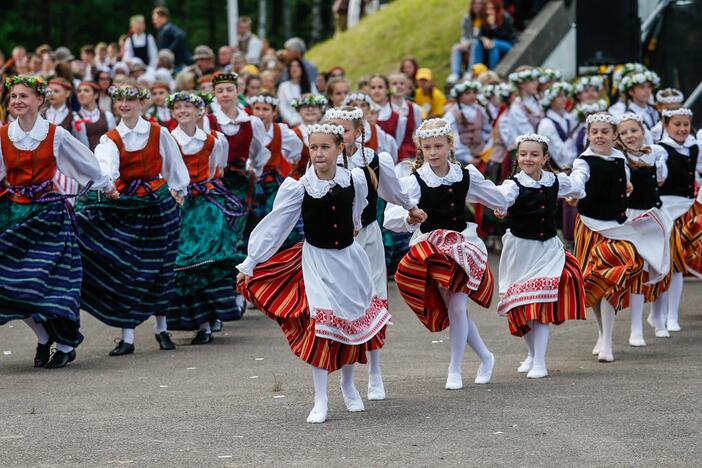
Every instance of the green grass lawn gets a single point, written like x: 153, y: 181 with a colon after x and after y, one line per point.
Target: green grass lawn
x: 425, y: 29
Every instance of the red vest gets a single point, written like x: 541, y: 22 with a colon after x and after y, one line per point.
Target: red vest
x: 198, y: 164
x: 408, y: 149
x: 277, y: 162
x: 142, y: 164
x: 390, y: 126
x: 301, y: 166
x: 239, y: 145
x: 372, y: 143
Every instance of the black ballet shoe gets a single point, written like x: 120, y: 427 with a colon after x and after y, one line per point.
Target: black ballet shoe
x: 164, y: 341
x: 43, y: 354
x: 216, y: 325
x: 60, y: 359
x: 202, y: 337
x: 122, y: 348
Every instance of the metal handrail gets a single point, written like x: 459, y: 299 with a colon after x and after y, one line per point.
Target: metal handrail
x: 692, y: 98
x: 648, y: 23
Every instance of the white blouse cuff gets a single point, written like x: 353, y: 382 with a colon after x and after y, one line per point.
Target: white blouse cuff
x: 247, y: 266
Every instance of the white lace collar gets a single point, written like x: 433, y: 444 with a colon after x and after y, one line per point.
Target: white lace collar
x: 615, y: 154
x: 317, y: 187
x: 356, y: 159
x: 689, y: 141
x: 455, y: 174
x: 38, y: 131
x: 647, y: 159
x: 546, y: 180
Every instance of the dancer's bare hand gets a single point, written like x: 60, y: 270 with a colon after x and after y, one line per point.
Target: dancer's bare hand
x: 416, y: 216
x: 629, y: 188
x: 242, y: 277
x: 571, y: 201
x: 177, y: 197
x: 113, y: 194
x: 499, y: 215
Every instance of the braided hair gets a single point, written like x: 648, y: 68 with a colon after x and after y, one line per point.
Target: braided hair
x: 547, y: 166
x: 360, y: 123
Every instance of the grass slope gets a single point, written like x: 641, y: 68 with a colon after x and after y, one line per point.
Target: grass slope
x: 425, y: 29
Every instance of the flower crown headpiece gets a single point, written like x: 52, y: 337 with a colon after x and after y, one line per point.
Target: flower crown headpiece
x: 184, y: 96
x: 261, y: 99
x: 555, y: 89
x: 584, y: 82
x: 679, y: 111
x: 504, y: 90
x: 358, y: 97
x: 630, y: 116
x: 676, y: 96
x: 224, y: 78
x: 444, y: 130
x: 523, y: 76
x: 314, y: 100
x: 206, y: 97
x: 340, y: 114
x: 128, y: 92
x: 632, y: 80
x: 328, y: 128
x: 627, y: 69
x: 33, y: 82
x: 549, y: 74
x: 586, y: 109
x: 532, y: 137
x: 602, y: 117
x: 461, y: 88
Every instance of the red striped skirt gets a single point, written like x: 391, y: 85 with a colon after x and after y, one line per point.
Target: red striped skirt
x: 277, y: 288
x: 686, y: 244
x: 570, y: 304
x: 420, y: 274
x: 610, y: 267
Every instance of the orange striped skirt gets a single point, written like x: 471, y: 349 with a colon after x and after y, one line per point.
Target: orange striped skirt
x: 570, y: 304
x: 278, y: 290
x: 686, y: 244
x: 610, y: 267
x: 420, y: 274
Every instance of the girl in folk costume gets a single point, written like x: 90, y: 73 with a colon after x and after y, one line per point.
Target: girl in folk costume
x: 159, y: 111
x: 337, y: 91
x: 586, y: 90
x: 205, y: 273
x: 630, y: 68
x: 668, y: 98
x: 637, y: 89
x: 611, y: 250
x: 247, y: 138
x: 490, y: 99
x: 678, y: 197
x: 400, y: 88
x: 333, y: 316
x: 547, y: 77
x: 375, y: 137
x: 129, y: 238
x: 647, y: 172
x: 382, y: 183
x: 93, y: 122
x: 540, y: 283
x: 285, y: 151
x: 470, y: 123
x: 311, y: 109
x: 447, y: 262
x: 389, y: 120
x: 525, y: 112
x: 40, y: 267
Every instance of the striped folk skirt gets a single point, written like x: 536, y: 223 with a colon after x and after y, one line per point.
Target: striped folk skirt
x: 129, y: 248
x: 569, y: 306
x: 686, y: 243
x: 242, y: 187
x: 610, y: 267
x: 278, y: 290
x: 420, y: 274
x: 205, y: 271
x: 40, y: 268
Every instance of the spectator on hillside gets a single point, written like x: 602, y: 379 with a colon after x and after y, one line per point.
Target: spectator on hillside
x: 496, y: 34
x: 427, y: 96
x: 296, y: 48
x: 170, y: 36
x: 464, y: 49
x: 298, y: 84
x: 409, y: 67
x: 249, y: 44
x: 140, y: 44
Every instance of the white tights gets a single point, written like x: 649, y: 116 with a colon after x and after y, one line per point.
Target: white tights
x: 38, y: 329
x: 537, y: 342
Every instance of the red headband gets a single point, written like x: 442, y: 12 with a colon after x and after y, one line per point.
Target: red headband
x: 90, y: 84
x: 62, y: 84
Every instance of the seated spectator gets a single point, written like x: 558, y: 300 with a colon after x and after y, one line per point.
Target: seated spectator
x: 464, y: 49
x: 427, y: 96
x: 496, y: 34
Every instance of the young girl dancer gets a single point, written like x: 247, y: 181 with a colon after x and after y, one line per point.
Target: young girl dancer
x: 525, y: 112
x: 611, y: 250
x: 678, y: 197
x: 129, y: 238
x: 540, y: 283
x: 311, y: 109
x: 40, y: 267
x: 337, y: 91
x: 389, y: 120
x: 93, y: 122
x: 470, y: 122
x: 447, y: 262
x: 205, y: 271
x: 647, y: 172
x: 637, y: 89
x: 668, y: 98
x: 382, y: 183
x: 400, y: 88
x: 375, y: 137
x: 333, y: 316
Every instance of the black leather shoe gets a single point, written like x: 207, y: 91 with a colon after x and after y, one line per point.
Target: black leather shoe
x: 59, y: 359
x: 202, y: 337
x: 122, y: 348
x: 216, y: 325
x: 42, y: 355
x: 164, y: 341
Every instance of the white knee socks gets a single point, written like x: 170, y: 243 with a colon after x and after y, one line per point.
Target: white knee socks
x: 598, y: 316
x: 606, y: 354
x: 319, y: 410
x: 64, y: 348
x: 540, y: 332
x: 128, y: 335
x: 636, y: 337
x: 529, y: 361
x: 659, y: 312
x: 674, y: 296
x: 206, y: 326
x: 38, y: 329
x: 458, y: 330
x: 376, y: 389
x: 351, y: 396
x: 161, y: 324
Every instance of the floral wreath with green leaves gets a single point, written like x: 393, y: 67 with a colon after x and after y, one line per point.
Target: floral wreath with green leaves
x: 314, y: 100
x: 34, y: 82
x: 553, y: 91
x: 206, y: 97
x: 464, y: 86
x: 128, y: 92
x: 184, y: 96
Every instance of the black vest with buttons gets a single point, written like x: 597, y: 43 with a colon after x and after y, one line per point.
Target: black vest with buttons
x: 533, y: 214
x: 370, y: 212
x: 444, y: 205
x: 329, y: 220
x: 681, y: 172
x: 606, y: 190
x: 645, y: 195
